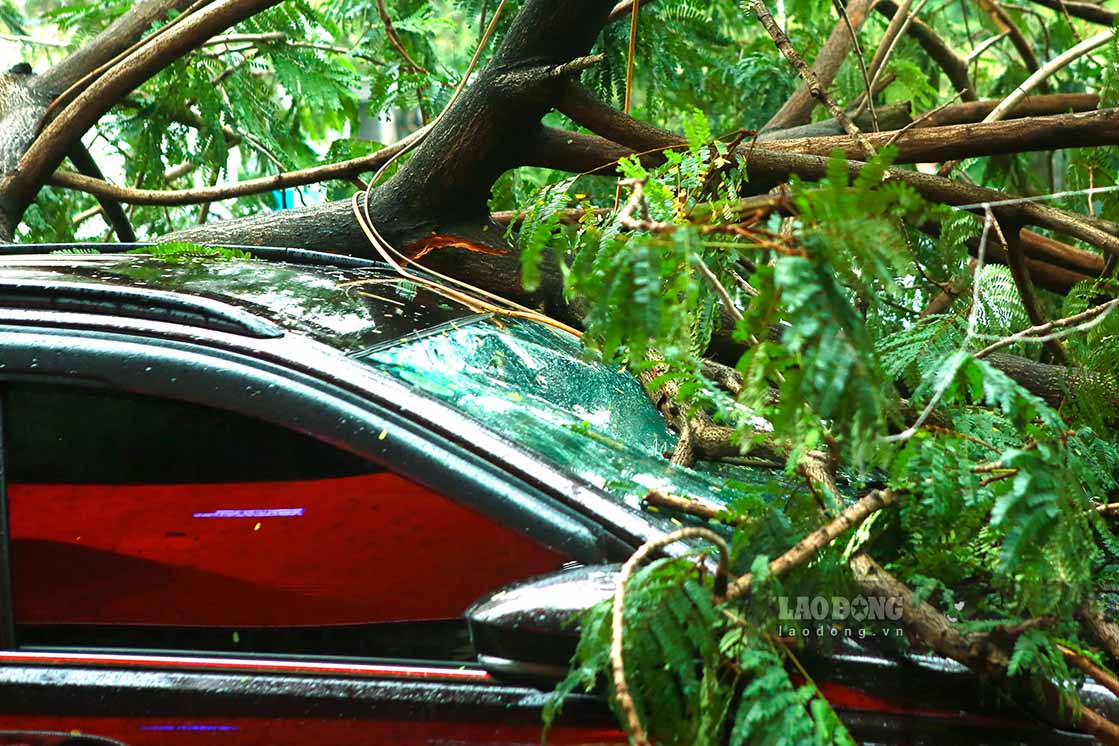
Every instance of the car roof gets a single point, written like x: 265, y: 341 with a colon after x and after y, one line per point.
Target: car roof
x: 347, y: 303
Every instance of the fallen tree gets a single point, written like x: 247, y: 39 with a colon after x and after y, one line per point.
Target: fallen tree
x: 952, y: 340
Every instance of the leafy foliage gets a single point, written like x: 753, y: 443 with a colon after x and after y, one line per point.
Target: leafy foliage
x: 997, y: 523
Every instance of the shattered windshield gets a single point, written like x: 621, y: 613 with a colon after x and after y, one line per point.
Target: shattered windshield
x: 537, y: 386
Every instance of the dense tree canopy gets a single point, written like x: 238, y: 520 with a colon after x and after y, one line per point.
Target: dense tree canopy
x: 868, y: 245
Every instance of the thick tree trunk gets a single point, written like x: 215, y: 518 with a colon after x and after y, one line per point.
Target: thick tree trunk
x: 443, y: 189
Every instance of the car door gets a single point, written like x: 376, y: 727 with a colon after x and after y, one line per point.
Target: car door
x: 185, y: 572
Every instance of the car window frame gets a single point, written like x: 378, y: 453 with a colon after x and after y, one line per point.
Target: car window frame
x: 105, y: 360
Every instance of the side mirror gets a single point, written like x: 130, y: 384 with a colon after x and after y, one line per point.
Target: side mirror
x: 527, y: 632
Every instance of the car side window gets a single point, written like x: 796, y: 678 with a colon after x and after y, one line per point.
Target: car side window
x: 145, y: 522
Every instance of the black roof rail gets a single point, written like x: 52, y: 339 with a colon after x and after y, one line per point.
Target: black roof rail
x: 136, y: 303
x: 268, y: 253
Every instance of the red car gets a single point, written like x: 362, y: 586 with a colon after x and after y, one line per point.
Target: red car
x: 253, y: 505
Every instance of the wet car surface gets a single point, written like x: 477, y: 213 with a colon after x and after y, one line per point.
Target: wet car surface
x: 255, y: 499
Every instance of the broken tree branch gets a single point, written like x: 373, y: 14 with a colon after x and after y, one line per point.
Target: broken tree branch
x: 979, y: 653
x: 202, y: 195
x: 851, y: 517
x: 617, y: 618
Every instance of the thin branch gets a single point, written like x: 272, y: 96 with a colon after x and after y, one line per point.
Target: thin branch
x: 720, y: 290
x: 1047, y: 70
x: 806, y: 548
x: 178, y: 197
x: 273, y: 37
x: 687, y: 505
x: 394, y: 39
x: 899, y: 23
x: 1086, y: 11
x: 798, y: 108
x: 1103, y: 677
x: 841, y: 9
x: 617, y: 619
x: 924, y: 144
x: 21, y: 39
x: 1017, y: 38
x: 1042, y: 332
x: 1033, y: 106
x: 953, y: 65
x: 114, y: 213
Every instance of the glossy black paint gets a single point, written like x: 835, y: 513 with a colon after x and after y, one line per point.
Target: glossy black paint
x: 528, y: 631
x: 140, y: 304
x: 154, y: 693
x: 296, y: 382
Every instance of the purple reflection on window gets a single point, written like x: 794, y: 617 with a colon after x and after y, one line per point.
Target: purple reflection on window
x: 253, y: 513
x: 189, y: 726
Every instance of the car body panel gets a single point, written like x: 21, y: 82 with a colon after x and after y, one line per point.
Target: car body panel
x: 252, y: 554
x: 304, y: 380
x: 156, y: 700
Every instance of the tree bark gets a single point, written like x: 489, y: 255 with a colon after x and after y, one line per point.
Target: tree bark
x: 443, y: 189
x: 956, y: 141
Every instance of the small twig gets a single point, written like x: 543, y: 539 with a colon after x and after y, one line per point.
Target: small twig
x: 270, y: 37
x: 1009, y: 473
x: 577, y: 65
x: 720, y: 290
x: 841, y: 9
x: 617, y: 620
x: 631, y: 55
x: 885, y: 45
x: 983, y: 46
x: 688, y: 505
x: 924, y: 117
x: 21, y: 39
x: 394, y: 39
x: 1020, y: 271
